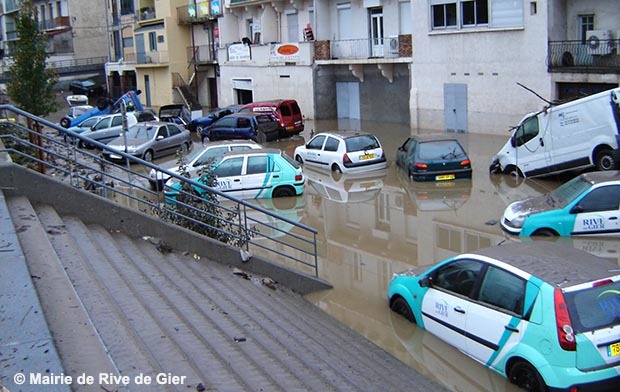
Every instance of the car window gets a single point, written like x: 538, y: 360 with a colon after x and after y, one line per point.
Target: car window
x: 89, y: 122
x: 243, y: 123
x: 332, y: 144
x: 296, y: 109
x: 440, y: 149
x: 117, y: 121
x: 162, y: 132
x: 173, y: 130
x: 566, y: 193
x: 211, y: 154
x: 527, y: 131
x: 257, y: 164
x: 226, y: 122
x: 229, y: 167
x: 103, y: 123
x: 141, y: 131
x: 605, y: 198
x: 595, y: 307
x: 459, y: 276
x: 316, y: 143
x: 237, y: 148
x: 361, y: 143
x: 285, y: 110
x: 503, y: 289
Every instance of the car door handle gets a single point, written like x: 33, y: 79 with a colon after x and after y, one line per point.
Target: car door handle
x: 512, y: 329
x: 458, y: 309
x: 276, y: 176
x: 237, y: 180
x: 613, y: 218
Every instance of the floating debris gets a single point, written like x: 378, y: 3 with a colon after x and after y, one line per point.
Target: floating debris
x: 241, y: 273
x: 269, y: 283
x: 239, y: 339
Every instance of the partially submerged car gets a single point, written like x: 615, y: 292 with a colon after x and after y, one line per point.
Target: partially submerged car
x: 208, y: 153
x: 543, y: 315
x: 433, y: 158
x: 251, y: 174
x: 148, y: 140
x: 343, y: 151
x: 175, y: 113
x: 201, y: 123
x: 110, y: 127
x: 260, y: 128
x: 587, y: 204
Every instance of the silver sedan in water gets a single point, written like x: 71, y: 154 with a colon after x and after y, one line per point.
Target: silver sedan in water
x: 150, y: 140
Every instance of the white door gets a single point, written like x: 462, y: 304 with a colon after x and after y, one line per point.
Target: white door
x: 229, y: 176
x: 530, y: 155
x: 348, y: 100
x: 445, y: 316
x: 598, y: 212
x: 376, y: 31
x: 257, y: 178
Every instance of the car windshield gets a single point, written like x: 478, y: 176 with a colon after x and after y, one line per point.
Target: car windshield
x: 141, y: 131
x: 595, y: 307
x: 361, y: 143
x: 441, y: 150
x: 88, y: 83
x: 569, y: 191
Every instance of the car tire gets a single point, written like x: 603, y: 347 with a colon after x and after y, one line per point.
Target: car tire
x: 605, y: 161
x: 65, y: 122
x: 545, y: 233
x: 284, y: 191
x: 525, y: 376
x: 399, y: 305
x: 261, y: 137
x: 336, y: 168
x: 148, y: 155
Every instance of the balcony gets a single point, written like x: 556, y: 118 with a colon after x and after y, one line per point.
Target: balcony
x: 203, y: 54
x: 147, y: 14
x: 202, y: 12
x: 11, y: 6
x: 365, y: 50
x: 56, y: 23
x: 148, y: 58
x: 601, y: 56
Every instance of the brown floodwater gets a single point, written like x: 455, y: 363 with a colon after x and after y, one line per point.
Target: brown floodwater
x: 374, y: 225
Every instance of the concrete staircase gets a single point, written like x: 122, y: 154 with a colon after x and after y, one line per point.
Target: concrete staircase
x: 116, y: 305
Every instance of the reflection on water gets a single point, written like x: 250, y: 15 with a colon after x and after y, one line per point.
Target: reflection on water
x: 372, y: 226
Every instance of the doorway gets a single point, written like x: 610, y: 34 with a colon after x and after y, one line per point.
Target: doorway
x: 376, y: 32
x: 455, y: 106
x: 348, y: 100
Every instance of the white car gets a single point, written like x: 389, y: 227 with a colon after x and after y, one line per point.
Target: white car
x: 110, y: 126
x: 343, y: 151
x: 211, y: 151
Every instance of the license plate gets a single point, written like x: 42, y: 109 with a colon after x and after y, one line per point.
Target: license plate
x: 445, y: 177
x: 613, y: 350
x: 367, y: 156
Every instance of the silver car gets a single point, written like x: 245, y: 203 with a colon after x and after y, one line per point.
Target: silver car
x: 148, y: 140
x: 109, y: 127
x: 210, y: 152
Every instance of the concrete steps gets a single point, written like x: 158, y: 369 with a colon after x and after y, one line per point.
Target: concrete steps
x: 117, y: 305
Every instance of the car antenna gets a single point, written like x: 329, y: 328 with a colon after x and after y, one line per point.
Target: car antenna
x: 535, y: 93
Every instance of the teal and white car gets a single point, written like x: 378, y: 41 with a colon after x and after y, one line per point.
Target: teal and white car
x: 545, y: 316
x: 587, y: 204
x: 252, y: 174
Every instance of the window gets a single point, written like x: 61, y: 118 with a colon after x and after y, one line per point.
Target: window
x: 153, y: 41
x: 404, y: 13
x: 226, y: 122
x: 162, y: 132
x: 606, y: 198
x: 474, y: 12
x: 586, y: 23
x: 316, y: 143
x: 230, y: 167
x: 444, y: 15
x: 293, y: 32
x: 172, y: 130
x: 332, y: 144
x: 58, y: 9
x: 257, y: 164
x: 128, y: 42
x: 453, y: 14
x: 459, y: 276
x: 211, y: 155
x: 117, y: 121
x: 527, y: 131
x: 244, y: 123
x: 127, y: 7
x: 503, y: 289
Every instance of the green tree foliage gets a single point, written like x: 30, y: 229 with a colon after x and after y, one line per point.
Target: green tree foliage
x: 30, y: 85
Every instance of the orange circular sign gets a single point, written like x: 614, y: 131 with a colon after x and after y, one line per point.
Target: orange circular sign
x: 288, y: 50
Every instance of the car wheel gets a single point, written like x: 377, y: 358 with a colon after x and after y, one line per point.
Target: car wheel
x: 283, y: 192
x: 336, y: 168
x: 515, y: 175
x: 525, y: 376
x: 299, y: 159
x: 65, y: 122
x: 148, y: 155
x: 400, y: 306
x: 545, y: 233
x: 261, y: 137
x: 605, y: 161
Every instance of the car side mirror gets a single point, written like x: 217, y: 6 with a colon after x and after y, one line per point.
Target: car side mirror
x: 426, y: 281
x: 159, y: 137
x: 577, y: 209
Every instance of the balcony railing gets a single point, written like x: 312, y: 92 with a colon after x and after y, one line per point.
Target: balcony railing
x: 159, y: 57
x: 60, y: 21
x: 386, y: 47
x: 203, y: 11
x: 203, y: 54
x: 599, y: 56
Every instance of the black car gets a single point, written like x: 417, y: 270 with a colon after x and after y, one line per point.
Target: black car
x: 175, y: 113
x: 86, y: 87
x: 433, y: 158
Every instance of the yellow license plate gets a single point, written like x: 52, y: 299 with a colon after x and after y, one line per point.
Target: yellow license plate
x: 367, y: 156
x: 445, y: 177
x: 613, y: 350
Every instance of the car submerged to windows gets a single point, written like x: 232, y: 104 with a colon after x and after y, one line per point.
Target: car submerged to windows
x: 208, y: 153
x: 343, y: 151
x: 433, y: 158
x: 589, y: 204
x: 545, y: 316
x: 250, y: 174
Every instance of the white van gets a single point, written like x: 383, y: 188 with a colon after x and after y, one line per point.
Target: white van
x: 577, y: 134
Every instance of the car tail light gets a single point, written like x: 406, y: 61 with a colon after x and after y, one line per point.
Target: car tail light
x: 346, y: 159
x: 602, y: 282
x: 299, y: 177
x: 419, y: 165
x: 564, y: 326
x: 466, y: 162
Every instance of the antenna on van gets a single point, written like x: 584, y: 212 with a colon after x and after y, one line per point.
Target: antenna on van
x: 536, y: 94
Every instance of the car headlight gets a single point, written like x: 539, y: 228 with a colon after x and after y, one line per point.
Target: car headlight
x: 517, y: 221
x: 132, y: 149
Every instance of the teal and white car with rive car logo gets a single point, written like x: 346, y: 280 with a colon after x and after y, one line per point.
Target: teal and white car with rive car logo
x: 586, y: 205
x: 545, y: 316
x: 251, y: 174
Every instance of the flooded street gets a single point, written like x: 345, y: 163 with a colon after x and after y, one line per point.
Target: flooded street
x: 372, y: 226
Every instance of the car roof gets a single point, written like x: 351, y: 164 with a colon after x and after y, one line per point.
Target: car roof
x: 430, y: 137
x: 230, y: 142
x: 345, y: 134
x: 560, y: 266
x: 597, y: 177
x: 253, y: 152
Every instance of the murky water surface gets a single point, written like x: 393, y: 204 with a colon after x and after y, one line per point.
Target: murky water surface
x: 371, y: 226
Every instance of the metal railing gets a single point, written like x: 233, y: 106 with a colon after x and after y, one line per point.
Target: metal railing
x: 231, y: 220
x: 576, y: 56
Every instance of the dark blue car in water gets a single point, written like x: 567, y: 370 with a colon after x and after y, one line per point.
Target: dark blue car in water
x: 201, y: 123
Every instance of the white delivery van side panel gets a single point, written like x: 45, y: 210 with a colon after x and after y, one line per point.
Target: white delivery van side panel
x: 576, y: 134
